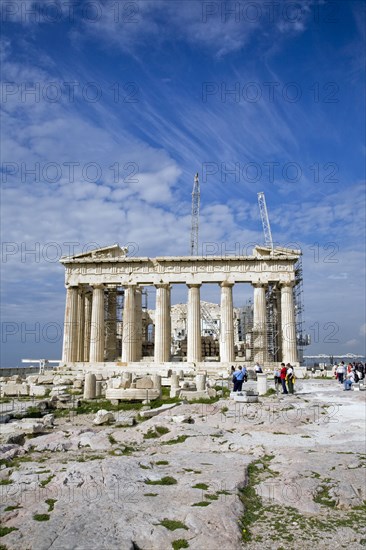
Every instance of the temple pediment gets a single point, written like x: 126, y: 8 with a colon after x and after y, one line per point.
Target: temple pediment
x: 105, y: 253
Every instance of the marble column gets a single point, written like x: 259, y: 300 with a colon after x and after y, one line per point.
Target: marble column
x: 227, y: 352
x: 288, y: 322
x: 278, y: 327
x: 87, y: 324
x: 259, y: 324
x: 81, y: 325
x: 194, y: 346
x: 129, y: 326
x: 69, y: 348
x: 138, y: 320
x: 169, y: 327
x: 97, y: 326
x: 111, y: 325
x: 162, y: 324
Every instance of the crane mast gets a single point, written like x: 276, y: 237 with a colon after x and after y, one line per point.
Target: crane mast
x: 195, y: 215
x: 265, y: 220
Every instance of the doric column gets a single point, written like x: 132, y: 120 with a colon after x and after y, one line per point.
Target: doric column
x: 194, y: 346
x: 162, y: 324
x: 169, y: 326
x: 278, y: 322
x: 289, y: 347
x: 138, y: 320
x: 129, y: 326
x: 80, y: 325
x: 259, y: 324
x: 97, y: 326
x: 87, y: 324
x: 111, y: 325
x: 227, y: 353
x: 69, y: 349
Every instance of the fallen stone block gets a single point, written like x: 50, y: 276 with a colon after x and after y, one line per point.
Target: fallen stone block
x: 154, y: 412
x: 38, y: 391
x: 103, y: 417
x: 193, y: 395
x: 131, y: 394
x: 144, y: 383
x: 13, y: 390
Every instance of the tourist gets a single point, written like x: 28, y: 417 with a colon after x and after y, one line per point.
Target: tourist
x: 290, y: 378
x: 349, y: 381
x: 283, y: 373
x: 238, y: 378
x: 258, y: 368
x: 245, y: 373
x: 341, y: 371
x: 277, y: 378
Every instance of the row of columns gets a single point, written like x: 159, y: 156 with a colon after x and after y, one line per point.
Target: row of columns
x: 88, y: 337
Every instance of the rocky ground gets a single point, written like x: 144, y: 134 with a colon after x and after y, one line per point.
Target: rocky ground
x: 287, y: 472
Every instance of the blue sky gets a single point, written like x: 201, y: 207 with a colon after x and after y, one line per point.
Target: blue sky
x: 115, y: 106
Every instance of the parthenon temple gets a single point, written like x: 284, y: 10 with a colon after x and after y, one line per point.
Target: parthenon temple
x: 100, y: 281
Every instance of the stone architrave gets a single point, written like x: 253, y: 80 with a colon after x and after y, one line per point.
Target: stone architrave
x: 87, y: 324
x: 162, y: 324
x: 69, y: 350
x: 289, y: 347
x: 227, y: 353
x: 129, y: 326
x: 259, y: 324
x: 81, y: 325
x: 97, y: 326
x: 111, y: 325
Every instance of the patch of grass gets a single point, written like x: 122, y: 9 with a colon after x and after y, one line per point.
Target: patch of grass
x: 172, y: 524
x: 51, y: 503
x: 158, y: 431
x: 6, y: 482
x: 269, y: 392
x: 224, y: 409
x: 150, y: 494
x: 307, y: 436
x: 180, y: 543
x: 162, y: 463
x: 279, y: 433
x: 202, y: 486
x: 11, y: 508
x: 223, y: 492
x: 6, y: 530
x: 202, y: 503
x: 179, y: 439
x: 144, y: 467
x: 211, y: 497
x: 127, y: 451
x: 41, y: 517
x: 167, y: 480
x: 323, y: 497
x: 111, y: 440
x: 46, y: 481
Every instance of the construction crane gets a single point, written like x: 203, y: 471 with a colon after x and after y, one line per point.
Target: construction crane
x: 195, y: 215
x: 265, y: 221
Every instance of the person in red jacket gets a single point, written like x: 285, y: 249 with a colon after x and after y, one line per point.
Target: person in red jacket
x: 283, y: 373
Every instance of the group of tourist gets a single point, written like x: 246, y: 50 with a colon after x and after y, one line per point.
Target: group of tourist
x: 285, y: 377
x: 349, y: 374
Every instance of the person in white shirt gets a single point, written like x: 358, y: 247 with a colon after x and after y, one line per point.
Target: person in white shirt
x: 349, y: 381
